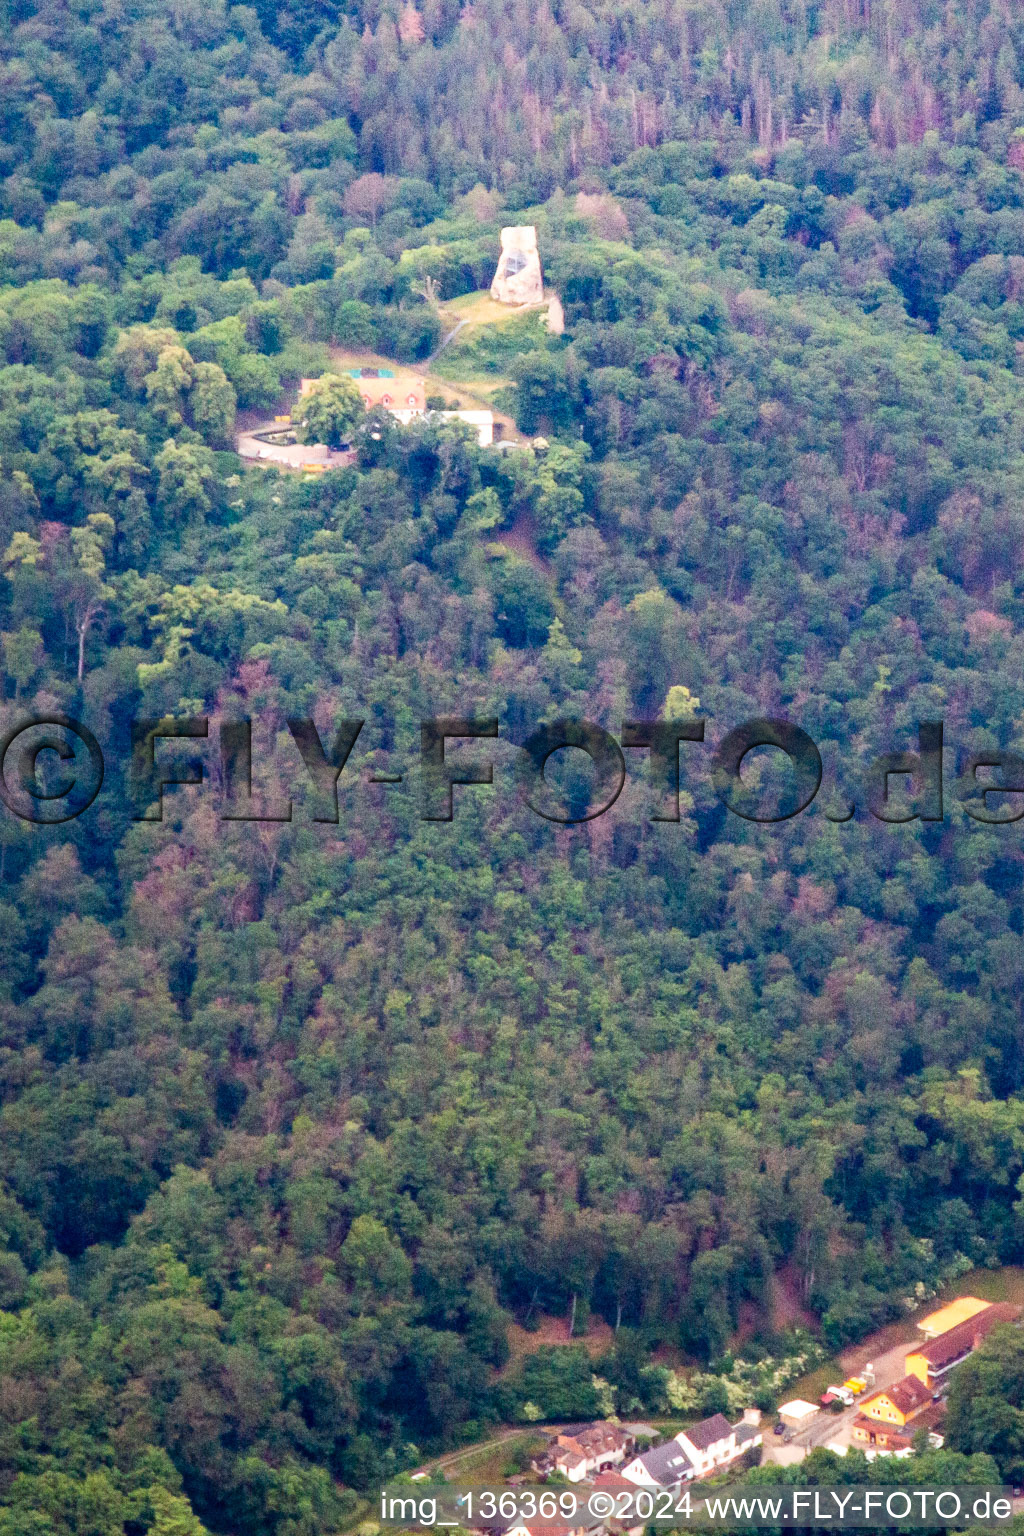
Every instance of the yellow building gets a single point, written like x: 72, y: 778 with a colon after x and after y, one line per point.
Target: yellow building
x: 931, y: 1361
x: 951, y: 1316
x: 897, y: 1404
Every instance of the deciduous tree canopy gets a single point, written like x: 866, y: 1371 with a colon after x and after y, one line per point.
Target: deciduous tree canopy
x: 298, y: 1118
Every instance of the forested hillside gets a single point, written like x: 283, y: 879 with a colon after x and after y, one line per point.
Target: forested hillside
x: 296, y: 1119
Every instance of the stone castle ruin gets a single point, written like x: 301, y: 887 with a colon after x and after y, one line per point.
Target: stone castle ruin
x: 518, y: 279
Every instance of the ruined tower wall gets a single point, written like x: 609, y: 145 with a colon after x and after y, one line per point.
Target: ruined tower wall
x: 518, y: 279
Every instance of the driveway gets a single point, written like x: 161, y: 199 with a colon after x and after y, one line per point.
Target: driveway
x: 826, y: 1427
x: 288, y: 455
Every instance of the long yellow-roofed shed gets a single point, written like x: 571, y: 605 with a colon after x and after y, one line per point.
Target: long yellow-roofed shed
x: 951, y: 1316
x: 935, y: 1358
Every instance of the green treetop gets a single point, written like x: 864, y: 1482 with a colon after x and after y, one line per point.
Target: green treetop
x: 328, y: 414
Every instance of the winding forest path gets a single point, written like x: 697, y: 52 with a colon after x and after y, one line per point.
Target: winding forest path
x: 449, y: 338
x: 474, y: 1452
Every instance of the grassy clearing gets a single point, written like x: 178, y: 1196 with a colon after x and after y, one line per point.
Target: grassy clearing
x: 484, y: 386
x: 811, y: 1386
x: 1005, y: 1284
x: 481, y: 309
x: 554, y: 1330
x: 488, y: 1463
x: 359, y: 357
x: 488, y: 350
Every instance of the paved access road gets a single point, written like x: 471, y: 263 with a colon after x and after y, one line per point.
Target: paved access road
x: 290, y: 455
x: 890, y: 1367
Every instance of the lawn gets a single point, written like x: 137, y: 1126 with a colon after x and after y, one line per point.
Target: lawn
x: 359, y: 357
x: 482, y: 386
x: 1004, y: 1284
x: 810, y: 1387
x: 482, y: 309
x: 487, y: 1463
x: 489, y: 349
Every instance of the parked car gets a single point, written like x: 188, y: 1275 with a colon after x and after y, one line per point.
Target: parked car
x: 780, y: 1429
x: 843, y: 1394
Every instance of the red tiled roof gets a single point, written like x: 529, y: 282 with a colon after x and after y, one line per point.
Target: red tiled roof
x: 890, y: 1434
x: 949, y: 1346
x: 595, y: 1439
x: 907, y: 1395
x: 402, y: 392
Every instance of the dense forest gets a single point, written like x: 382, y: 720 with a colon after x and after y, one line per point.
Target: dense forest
x: 298, y: 1118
